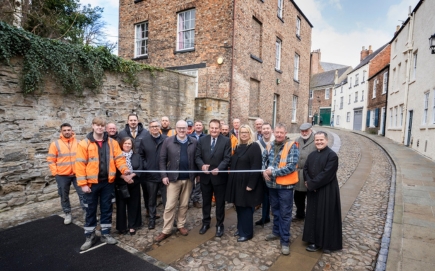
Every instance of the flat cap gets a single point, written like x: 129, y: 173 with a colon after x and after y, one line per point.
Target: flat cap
x: 305, y: 126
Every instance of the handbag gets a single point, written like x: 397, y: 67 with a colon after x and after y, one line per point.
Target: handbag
x: 123, y: 191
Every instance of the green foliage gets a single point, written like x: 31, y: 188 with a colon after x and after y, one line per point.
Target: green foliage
x: 74, y: 67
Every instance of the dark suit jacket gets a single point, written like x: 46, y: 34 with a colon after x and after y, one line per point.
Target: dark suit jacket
x: 219, y: 158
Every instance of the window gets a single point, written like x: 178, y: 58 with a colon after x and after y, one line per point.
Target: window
x: 348, y: 117
x: 385, y: 83
x: 294, y: 107
x: 372, y: 118
x: 364, y: 77
x: 356, y: 96
x: 141, y: 40
x: 399, y: 75
x: 278, y: 54
x: 193, y: 73
x: 401, y: 115
x: 296, y: 69
x: 391, y: 117
x: 311, y: 94
x: 341, y: 102
x: 298, y: 27
x: 414, y: 65
x: 393, y: 82
x: 425, y: 107
x: 326, y: 93
x: 362, y: 95
x: 338, y: 120
x: 350, y: 82
x: 280, y: 7
x: 395, y: 116
x: 349, y: 99
x: 357, y: 80
x: 186, y: 30
x: 375, y: 82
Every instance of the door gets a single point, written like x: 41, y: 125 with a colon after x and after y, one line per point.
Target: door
x: 325, y: 117
x: 382, y: 128
x: 357, y: 120
x: 408, y: 139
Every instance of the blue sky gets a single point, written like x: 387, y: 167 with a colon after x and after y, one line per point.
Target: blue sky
x: 341, y: 27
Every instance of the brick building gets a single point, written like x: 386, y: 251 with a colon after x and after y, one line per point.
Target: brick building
x: 324, y: 78
x: 251, y: 58
x: 378, y: 92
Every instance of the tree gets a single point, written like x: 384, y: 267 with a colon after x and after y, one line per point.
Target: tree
x: 65, y: 20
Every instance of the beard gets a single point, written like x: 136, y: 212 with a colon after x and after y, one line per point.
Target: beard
x: 305, y: 136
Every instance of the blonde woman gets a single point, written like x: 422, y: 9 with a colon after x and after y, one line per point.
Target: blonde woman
x: 245, y: 189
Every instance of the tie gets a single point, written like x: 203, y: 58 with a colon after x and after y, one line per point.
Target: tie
x: 133, y: 133
x: 213, y: 143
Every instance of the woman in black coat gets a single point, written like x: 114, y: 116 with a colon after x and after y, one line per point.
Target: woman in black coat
x: 245, y: 190
x: 128, y: 191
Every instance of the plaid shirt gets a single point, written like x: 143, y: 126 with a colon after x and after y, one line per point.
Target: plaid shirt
x: 268, y: 161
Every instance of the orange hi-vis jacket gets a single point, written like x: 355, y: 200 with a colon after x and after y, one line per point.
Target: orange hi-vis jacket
x: 88, y: 161
x: 62, y: 155
x: 234, y: 142
x: 171, y: 132
x: 293, y: 177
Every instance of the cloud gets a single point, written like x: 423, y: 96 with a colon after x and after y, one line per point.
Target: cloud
x: 335, y: 3
x: 398, y: 13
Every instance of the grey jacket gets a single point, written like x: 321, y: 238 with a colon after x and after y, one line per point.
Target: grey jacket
x: 304, y: 150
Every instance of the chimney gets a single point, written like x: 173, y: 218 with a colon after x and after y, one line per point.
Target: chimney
x: 315, y: 62
x: 365, y: 52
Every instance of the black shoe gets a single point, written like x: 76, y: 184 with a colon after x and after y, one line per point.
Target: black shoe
x: 297, y: 218
x: 151, y: 224
x: 236, y: 233
x: 219, y: 231
x: 261, y: 223
x: 244, y: 239
x: 312, y: 248
x: 204, y: 229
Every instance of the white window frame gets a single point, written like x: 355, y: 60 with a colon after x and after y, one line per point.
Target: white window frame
x: 298, y: 27
x: 357, y: 79
x: 395, y: 116
x: 278, y: 46
x: 425, y: 107
x: 350, y: 98
x: 385, y: 83
x: 189, y: 30
x: 414, y: 64
x: 356, y: 96
x: 296, y: 68
x: 193, y: 73
x: 362, y: 95
x: 294, y: 107
x: 364, y: 77
x: 348, y: 117
x: 141, y: 39
x: 341, y: 102
x: 280, y: 8
x: 327, y: 93
x: 375, y: 82
x: 372, y: 118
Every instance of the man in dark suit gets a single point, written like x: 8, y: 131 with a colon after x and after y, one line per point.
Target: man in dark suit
x: 213, y: 154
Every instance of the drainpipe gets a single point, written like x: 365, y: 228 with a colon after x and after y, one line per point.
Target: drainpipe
x: 232, y: 62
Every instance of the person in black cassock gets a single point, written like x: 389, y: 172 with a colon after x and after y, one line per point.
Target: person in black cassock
x: 323, y: 228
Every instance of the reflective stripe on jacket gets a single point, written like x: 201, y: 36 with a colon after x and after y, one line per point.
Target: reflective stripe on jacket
x: 291, y: 178
x: 62, y: 155
x: 87, y: 161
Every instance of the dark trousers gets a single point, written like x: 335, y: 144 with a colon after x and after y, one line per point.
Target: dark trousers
x: 128, y: 210
x: 153, y: 188
x: 265, y: 206
x: 100, y: 193
x: 281, y: 201
x: 245, y: 221
x: 63, y: 187
x: 143, y: 184
x: 195, y: 196
x: 299, y: 198
x: 207, y: 194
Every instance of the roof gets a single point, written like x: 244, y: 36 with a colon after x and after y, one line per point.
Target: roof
x: 326, y: 78
x: 407, y: 20
x: 331, y: 66
x: 300, y: 11
x: 369, y: 57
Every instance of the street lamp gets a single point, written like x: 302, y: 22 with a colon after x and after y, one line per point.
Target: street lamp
x: 432, y: 43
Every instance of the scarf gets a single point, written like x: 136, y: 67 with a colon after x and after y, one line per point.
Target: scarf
x: 128, y: 159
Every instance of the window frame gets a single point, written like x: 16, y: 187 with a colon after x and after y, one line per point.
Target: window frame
x: 280, y: 8
x: 414, y: 64
x: 348, y: 117
x: 356, y: 97
x: 374, y: 88
x: 181, y: 31
x: 298, y: 27
x: 425, y: 107
x: 140, y: 40
x: 278, y: 48
x: 296, y: 67
x: 385, y: 82
x: 327, y: 93
x: 341, y: 102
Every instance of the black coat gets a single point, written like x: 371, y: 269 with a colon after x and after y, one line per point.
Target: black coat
x: 219, y: 158
x: 245, y: 158
x: 323, y: 225
x: 149, y: 150
x: 139, y: 135
x: 137, y: 164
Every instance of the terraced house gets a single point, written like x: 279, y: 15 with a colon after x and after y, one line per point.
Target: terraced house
x: 250, y: 58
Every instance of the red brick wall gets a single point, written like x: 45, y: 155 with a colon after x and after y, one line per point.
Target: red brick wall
x: 379, y: 62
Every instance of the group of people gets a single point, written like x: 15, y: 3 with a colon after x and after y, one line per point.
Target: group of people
x: 184, y: 164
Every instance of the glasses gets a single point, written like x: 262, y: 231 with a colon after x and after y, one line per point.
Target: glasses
x: 181, y: 128
x: 154, y: 126
x: 244, y: 132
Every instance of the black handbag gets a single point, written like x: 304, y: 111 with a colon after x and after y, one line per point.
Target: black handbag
x: 123, y: 191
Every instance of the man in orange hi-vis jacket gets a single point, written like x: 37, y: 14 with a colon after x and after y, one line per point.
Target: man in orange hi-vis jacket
x: 98, y: 157
x: 61, y: 158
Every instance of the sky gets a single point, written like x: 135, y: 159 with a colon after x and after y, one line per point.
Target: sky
x: 341, y: 27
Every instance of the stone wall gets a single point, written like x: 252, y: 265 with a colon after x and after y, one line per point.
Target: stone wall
x: 29, y: 123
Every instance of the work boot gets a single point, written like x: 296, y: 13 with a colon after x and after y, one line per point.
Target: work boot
x: 68, y: 219
x: 271, y: 237
x: 90, y: 241
x: 108, y: 239
x: 285, y: 250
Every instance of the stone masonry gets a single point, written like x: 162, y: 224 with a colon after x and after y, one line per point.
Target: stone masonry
x: 29, y: 123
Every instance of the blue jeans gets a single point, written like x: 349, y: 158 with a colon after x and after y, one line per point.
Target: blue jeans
x: 63, y: 187
x: 102, y: 193
x: 281, y: 201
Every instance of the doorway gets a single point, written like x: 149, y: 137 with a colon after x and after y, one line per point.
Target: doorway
x: 408, y: 139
